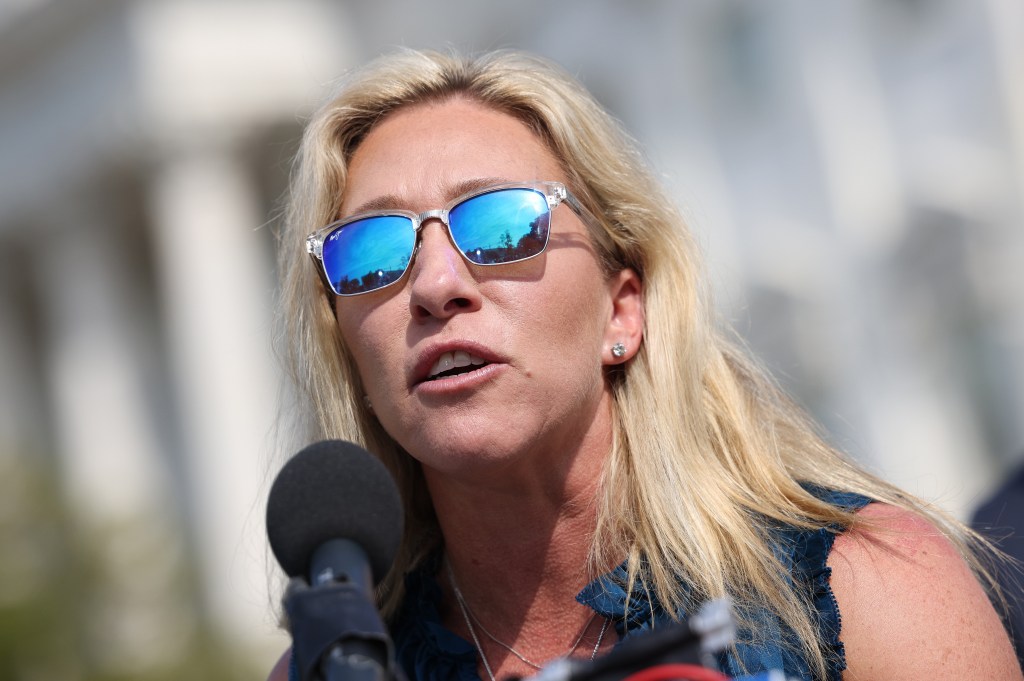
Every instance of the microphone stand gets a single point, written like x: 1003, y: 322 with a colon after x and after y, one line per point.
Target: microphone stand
x: 337, y: 632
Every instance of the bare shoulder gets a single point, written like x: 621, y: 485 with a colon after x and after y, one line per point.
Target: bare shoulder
x: 911, y: 607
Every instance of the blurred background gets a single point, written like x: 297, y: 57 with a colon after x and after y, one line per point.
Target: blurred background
x: 854, y: 171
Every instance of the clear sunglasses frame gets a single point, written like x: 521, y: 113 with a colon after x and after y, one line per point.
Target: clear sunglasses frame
x: 554, y: 192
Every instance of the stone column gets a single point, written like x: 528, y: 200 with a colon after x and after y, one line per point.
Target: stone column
x: 21, y: 416
x: 913, y: 415
x: 217, y: 285
x: 1004, y: 281
x: 104, y: 429
x: 111, y: 459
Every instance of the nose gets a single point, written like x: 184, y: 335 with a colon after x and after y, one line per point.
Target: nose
x: 440, y: 281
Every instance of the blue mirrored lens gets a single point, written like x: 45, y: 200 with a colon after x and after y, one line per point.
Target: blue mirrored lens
x: 502, y: 226
x: 367, y: 254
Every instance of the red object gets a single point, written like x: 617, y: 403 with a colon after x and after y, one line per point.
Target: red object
x: 673, y: 672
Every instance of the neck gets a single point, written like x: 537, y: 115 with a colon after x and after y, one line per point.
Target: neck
x: 521, y: 532
x: 516, y: 556
x: 518, y: 529
x: 515, y: 601
x: 517, y: 542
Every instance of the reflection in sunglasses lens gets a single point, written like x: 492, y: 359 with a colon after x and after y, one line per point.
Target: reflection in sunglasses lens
x: 501, y: 226
x: 368, y: 254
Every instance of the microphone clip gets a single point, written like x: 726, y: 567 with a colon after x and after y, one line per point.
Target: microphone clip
x: 337, y: 633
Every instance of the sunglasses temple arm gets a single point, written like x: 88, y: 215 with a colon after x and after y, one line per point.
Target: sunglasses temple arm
x: 581, y: 210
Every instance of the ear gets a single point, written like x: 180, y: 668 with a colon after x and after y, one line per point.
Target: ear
x: 626, y: 322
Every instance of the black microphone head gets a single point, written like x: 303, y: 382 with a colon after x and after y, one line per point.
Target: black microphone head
x: 334, y: 490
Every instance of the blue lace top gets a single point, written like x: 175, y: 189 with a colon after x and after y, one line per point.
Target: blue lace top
x: 428, y: 651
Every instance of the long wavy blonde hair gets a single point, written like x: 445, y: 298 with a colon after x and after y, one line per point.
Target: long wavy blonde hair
x: 707, y: 451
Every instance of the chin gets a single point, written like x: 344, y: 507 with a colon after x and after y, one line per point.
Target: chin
x: 455, y: 452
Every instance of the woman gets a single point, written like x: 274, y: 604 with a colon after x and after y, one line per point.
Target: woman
x: 582, y: 455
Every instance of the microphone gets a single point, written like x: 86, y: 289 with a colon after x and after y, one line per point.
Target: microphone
x: 334, y: 521
x: 333, y: 490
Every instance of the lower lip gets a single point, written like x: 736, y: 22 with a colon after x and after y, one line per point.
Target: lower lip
x: 451, y: 385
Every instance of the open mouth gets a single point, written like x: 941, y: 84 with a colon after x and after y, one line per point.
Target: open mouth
x: 455, y: 363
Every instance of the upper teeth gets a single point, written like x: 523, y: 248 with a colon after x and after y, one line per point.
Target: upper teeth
x: 452, y: 360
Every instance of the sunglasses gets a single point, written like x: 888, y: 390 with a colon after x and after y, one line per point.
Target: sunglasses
x: 494, y: 225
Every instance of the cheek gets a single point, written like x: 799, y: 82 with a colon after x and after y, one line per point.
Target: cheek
x: 569, y: 320
x: 371, y: 336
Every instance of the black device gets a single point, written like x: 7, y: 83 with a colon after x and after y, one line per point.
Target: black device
x: 334, y: 521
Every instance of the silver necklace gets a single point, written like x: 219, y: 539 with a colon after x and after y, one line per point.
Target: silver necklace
x: 470, y: 618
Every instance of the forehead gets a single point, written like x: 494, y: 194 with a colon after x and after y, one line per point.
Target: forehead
x: 423, y: 154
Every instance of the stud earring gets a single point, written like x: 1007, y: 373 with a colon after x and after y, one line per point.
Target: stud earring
x: 619, y: 350
x: 367, y: 403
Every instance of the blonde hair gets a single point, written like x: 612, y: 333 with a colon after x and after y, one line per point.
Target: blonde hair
x: 707, y: 452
